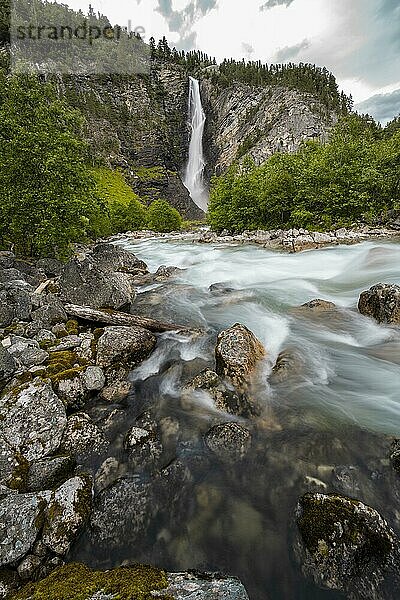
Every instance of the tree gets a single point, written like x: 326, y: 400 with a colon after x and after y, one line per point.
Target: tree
x: 47, y: 195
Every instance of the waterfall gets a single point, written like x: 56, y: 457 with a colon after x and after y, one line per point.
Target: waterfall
x: 194, y: 176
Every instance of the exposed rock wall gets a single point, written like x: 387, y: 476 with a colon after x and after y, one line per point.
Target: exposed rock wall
x: 258, y: 122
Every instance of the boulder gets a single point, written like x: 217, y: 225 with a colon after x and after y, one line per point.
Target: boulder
x: 51, y: 266
x: 127, y: 345
x: 68, y: 510
x: 7, y: 364
x: 122, y: 514
x: 225, y: 398
x: 51, y: 312
x: 21, y: 518
x: 82, y: 437
x: 319, y: 305
x: 144, y: 448
x: 112, y: 259
x: 15, y: 303
x: 237, y: 354
x: 26, y: 352
x: 288, y: 364
x: 382, y: 303
x: 345, y: 545
x: 85, y: 284
x: 46, y: 473
x: 32, y: 420
x: 228, y: 441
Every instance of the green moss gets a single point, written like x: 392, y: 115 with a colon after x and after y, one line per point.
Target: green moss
x: 47, y: 344
x: 150, y: 173
x: 78, y: 582
x: 67, y: 375
x: 72, y: 327
x: 66, y: 358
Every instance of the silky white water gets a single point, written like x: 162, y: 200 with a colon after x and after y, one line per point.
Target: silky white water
x: 194, y: 175
x: 351, y: 364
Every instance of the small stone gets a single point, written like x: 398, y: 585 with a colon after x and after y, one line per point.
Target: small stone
x: 28, y: 567
x: 228, y: 441
x: 93, y: 379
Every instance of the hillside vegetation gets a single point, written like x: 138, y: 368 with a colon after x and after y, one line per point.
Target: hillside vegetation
x: 355, y: 177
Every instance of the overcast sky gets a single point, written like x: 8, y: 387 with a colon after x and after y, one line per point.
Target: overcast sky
x: 359, y: 40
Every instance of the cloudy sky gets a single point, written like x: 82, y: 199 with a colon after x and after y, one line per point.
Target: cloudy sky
x: 359, y: 40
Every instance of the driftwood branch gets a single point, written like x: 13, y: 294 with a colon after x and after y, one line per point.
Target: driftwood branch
x: 115, y: 317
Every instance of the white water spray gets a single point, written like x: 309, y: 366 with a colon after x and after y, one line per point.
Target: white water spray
x: 194, y: 176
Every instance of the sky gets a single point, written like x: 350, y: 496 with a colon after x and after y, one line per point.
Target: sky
x: 358, y: 40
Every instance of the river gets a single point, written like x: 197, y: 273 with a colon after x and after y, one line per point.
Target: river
x: 326, y: 427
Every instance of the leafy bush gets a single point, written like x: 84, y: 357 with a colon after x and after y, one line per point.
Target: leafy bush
x: 124, y: 211
x: 354, y: 177
x: 163, y: 217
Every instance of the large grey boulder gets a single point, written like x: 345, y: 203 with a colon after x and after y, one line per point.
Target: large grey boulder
x: 122, y: 513
x: 381, y: 302
x: 50, y: 312
x: 21, y: 518
x: 126, y: 345
x: 82, y: 437
x: 237, y: 353
x: 25, y: 351
x: 15, y: 303
x: 114, y: 259
x: 68, y: 510
x: 32, y: 420
x: 345, y: 545
x: 87, y: 284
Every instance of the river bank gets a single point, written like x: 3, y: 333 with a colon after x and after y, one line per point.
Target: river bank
x: 291, y: 240
x: 209, y: 436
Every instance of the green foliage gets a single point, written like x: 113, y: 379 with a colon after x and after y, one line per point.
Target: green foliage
x: 163, y: 217
x: 124, y: 211
x: 47, y: 194
x: 353, y: 178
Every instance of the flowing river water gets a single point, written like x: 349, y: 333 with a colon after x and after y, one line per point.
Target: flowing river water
x: 327, y: 427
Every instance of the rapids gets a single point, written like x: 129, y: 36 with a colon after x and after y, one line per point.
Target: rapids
x: 328, y: 425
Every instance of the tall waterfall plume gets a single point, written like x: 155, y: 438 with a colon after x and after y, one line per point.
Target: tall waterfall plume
x: 194, y: 176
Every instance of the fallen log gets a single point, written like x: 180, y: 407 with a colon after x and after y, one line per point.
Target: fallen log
x: 116, y: 317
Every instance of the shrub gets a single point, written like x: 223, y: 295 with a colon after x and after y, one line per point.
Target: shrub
x: 163, y: 217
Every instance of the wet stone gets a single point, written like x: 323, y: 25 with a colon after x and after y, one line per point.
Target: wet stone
x: 228, y: 441
x: 46, y: 473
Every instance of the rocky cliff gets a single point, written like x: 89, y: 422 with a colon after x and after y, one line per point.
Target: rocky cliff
x: 259, y: 121
x: 139, y: 124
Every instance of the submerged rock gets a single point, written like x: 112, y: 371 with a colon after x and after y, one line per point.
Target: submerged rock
x: 122, y: 514
x: 144, y: 448
x: 205, y: 586
x: 237, y: 353
x: 382, y: 302
x: 225, y: 398
x: 318, y: 305
x: 229, y: 441
x: 288, y: 364
x: 395, y: 455
x: 127, y: 345
x: 345, y: 545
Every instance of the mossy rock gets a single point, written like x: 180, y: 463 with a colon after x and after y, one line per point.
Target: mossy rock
x: 78, y: 582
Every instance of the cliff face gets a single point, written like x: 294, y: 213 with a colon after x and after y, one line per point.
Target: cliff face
x: 258, y: 122
x: 139, y: 124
